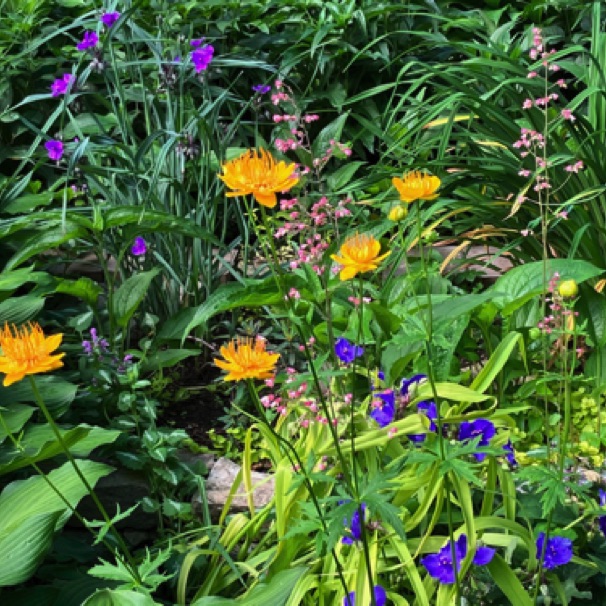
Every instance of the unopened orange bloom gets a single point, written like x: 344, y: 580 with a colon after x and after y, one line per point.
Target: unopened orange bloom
x: 26, y: 351
x: 358, y: 254
x: 243, y: 360
x: 259, y: 175
x: 416, y: 186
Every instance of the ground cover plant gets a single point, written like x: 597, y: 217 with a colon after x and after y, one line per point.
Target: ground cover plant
x: 250, y: 203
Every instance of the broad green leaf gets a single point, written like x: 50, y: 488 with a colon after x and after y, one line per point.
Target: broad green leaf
x: 155, y: 220
x: 522, y: 283
x: 84, y: 288
x: 27, y: 203
x: 58, y: 393
x: 12, y: 280
x: 116, y: 597
x: 166, y: 358
x: 31, y: 511
x: 88, y: 124
x: 130, y: 294
x: 15, y: 417
x: 45, y: 240
x: 18, y: 310
x: 342, y: 176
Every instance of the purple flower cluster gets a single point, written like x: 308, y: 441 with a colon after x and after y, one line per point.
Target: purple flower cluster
x: 355, y: 526
x: 202, y: 56
x: 54, y: 147
x: 97, y: 345
x: 482, y: 428
x: 440, y: 565
x: 558, y: 551
x: 61, y: 85
x: 347, y: 352
x: 262, y: 89
x: 108, y: 19
x: 90, y: 40
x: 139, y: 248
x: 602, y: 519
x: 380, y: 597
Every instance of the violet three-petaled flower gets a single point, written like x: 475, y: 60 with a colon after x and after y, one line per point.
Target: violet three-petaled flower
x: 262, y: 89
x: 355, y: 526
x: 380, y: 597
x: 54, y: 147
x: 430, y: 410
x: 139, y: 247
x: 406, y: 384
x: 108, y: 19
x: 440, y: 565
x: 385, y: 413
x: 602, y: 519
x: 90, y: 40
x: 482, y: 428
x: 201, y: 57
x: 558, y: 551
x: 61, y: 85
x: 347, y: 352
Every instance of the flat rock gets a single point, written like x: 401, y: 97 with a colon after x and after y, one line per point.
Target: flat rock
x: 219, y: 484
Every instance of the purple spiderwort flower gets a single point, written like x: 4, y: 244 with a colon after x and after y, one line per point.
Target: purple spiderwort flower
x: 440, y: 565
x: 510, y: 454
x: 380, y: 597
x: 557, y: 552
x: 54, y: 147
x: 406, y: 384
x: 480, y: 427
x: 139, y: 247
x: 61, y: 85
x: 430, y: 410
x: 354, y: 527
x: 262, y: 89
x: 347, y: 352
x: 90, y: 40
x: 386, y: 413
x: 202, y: 57
x: 197, y: 42
x: 602, y: 519
x: 108, y: 19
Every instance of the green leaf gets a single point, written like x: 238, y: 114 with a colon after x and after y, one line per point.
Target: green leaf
x: 342, y: 176
x: 276, y: 592
x: 88, y: 124
x: 58, y: 393
x: 508, y: 582
x: 84, y: 288
x: 15, y: 417
x: 130, y: 294
x: 27, y: 203
x: 166, y: 358
x: 44, y: 240
x: 111, y: 597
x: 11, y: 280
x: 18, y: 310
x: 451, y: 391
x: 522, y: 283
x: 30, y: 513
x: 496, y: 362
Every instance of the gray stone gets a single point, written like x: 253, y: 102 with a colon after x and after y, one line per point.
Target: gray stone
x: 220, y: 482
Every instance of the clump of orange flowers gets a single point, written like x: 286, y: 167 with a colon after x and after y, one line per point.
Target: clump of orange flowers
x: 245, y: 360
x: 359, y: 254
x: 259, y: 174
x: 26, y: 351
x: 416, y: 186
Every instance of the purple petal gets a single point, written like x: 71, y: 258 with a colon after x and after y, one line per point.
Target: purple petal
x: 483, y: 556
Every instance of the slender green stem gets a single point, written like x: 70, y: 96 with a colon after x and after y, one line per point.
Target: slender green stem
x: 49, y: 419
x: 439, y: 422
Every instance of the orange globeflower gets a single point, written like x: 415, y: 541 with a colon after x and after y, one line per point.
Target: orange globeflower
x: 358, y: 254
x: 416, y: 186
x: 243, y: 360
x: 259, y: 175
x: 26, y: 351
